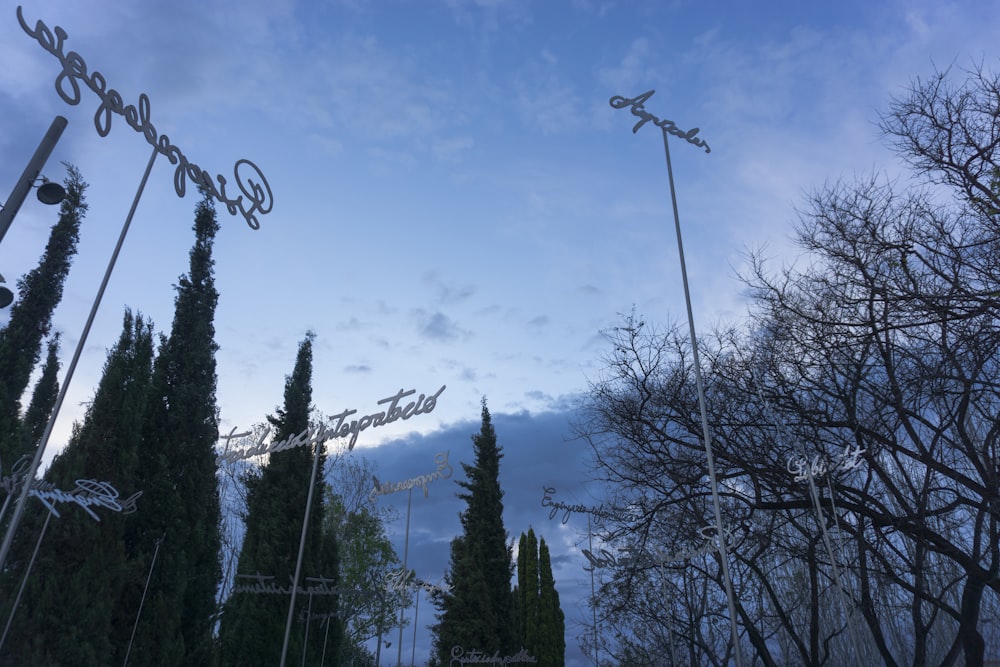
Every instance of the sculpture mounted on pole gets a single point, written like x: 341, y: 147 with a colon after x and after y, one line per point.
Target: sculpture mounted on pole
x: 668, y: 127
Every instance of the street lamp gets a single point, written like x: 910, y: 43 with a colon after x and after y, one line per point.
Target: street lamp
x: 48, y: 192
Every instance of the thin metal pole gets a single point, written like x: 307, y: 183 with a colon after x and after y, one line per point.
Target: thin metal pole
x: 416, y: 610
x: 326, y: 635
x: 845, y: 608
x: 593, y: 594
x: 706, y: 433
x: 305, y: 639
x: 302, y: 548
x: 378, y: 647
x: 406, y: 575
x: 30, y: 174
x: 40, y: 449
x: 24, y: 581
x: 142, y: 600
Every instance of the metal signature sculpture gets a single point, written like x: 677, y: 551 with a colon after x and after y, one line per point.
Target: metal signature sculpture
x: 249, y: 178
x: 668, y: 127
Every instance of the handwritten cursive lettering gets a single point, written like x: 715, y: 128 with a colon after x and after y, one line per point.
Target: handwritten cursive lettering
x: 340, y: 428
x: 599, y: 513
x: 255, y: 192
x: 398, y: 581
x: 668, y: 126
x: 314, y: 586
x: 18, y: 473
x: 459, y: 656
x: 443, y: 472
x: 88, y: 492
x: 803, y: 469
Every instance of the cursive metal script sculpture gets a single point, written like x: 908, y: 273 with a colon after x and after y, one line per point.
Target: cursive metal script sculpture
x: 88, y: 492
x: 459, y: 656
x: 320, y: 433
x: 263, y: 584
x: 18, y: 474
x: 599, y: 513
x: 249, y: 178
x: 803, y: 469
x: 668, y: 126
x: 443, y: 471
x: 399, y: 581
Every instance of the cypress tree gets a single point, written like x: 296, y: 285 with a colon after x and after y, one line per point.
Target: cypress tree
x: 551, y: 621
x: 71, y: 613
x: 541, y: 620
x: 178, y: 535
x: 40, y: 291
x: 527, y: 583
x: 478, y: 611
x: 43, y: 399
x: 252, y: 628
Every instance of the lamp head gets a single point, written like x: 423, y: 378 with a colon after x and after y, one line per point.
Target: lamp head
x: 50, y: 193
x: 6, y: 296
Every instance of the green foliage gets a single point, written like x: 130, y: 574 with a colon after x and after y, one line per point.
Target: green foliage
x: 177, y: 474
x: 478, y: 611
x: 551, y: 621
x: 527, y: 586
x: 43, y: 400
x: 74, y: 609
x: 367, y: 557
x: 252, y: 630
x: 40, y: 292
x: 541, y: 621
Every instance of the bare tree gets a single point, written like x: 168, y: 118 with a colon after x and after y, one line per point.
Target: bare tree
x: 854, y: 420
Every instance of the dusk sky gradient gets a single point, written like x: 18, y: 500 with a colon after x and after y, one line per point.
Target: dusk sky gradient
x: 455, y: 201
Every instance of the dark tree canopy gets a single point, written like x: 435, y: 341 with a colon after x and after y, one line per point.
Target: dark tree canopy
x: 541, y: 622
x: 180, y: 526
x: 478, y: 611
x: 75, y: 611
x: 40, y: 291
x: 253, y: 624
x: 855, y: 424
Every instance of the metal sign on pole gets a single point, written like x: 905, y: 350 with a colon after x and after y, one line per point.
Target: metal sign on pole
x: 255, y: 194
x: 668, y: 127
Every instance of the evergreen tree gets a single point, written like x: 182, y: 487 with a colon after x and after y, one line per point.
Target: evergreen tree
x: 478, y: 611
x: 180, y: 523
x: 252, y: 629
x: 43, y: 399
x: 40, y: 291
x: 541, y: 620
x: 551, y: 621
x: 527, y: 590
x: 72, y: 613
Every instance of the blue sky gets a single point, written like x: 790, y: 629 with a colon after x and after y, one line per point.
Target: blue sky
x: 455, y: 202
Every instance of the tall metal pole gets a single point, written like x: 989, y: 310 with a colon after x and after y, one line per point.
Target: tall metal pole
x: 30, y: 174
x: 416, y: 610
x: 142, y: 600
x: 302, y: 548
x: 406, y: 573
x: 40, y: 449
x: 593, y: 593
x: 706, y: 432
x: 24, y: 581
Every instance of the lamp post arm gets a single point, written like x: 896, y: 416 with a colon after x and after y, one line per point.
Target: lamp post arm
x: 23, y: 187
